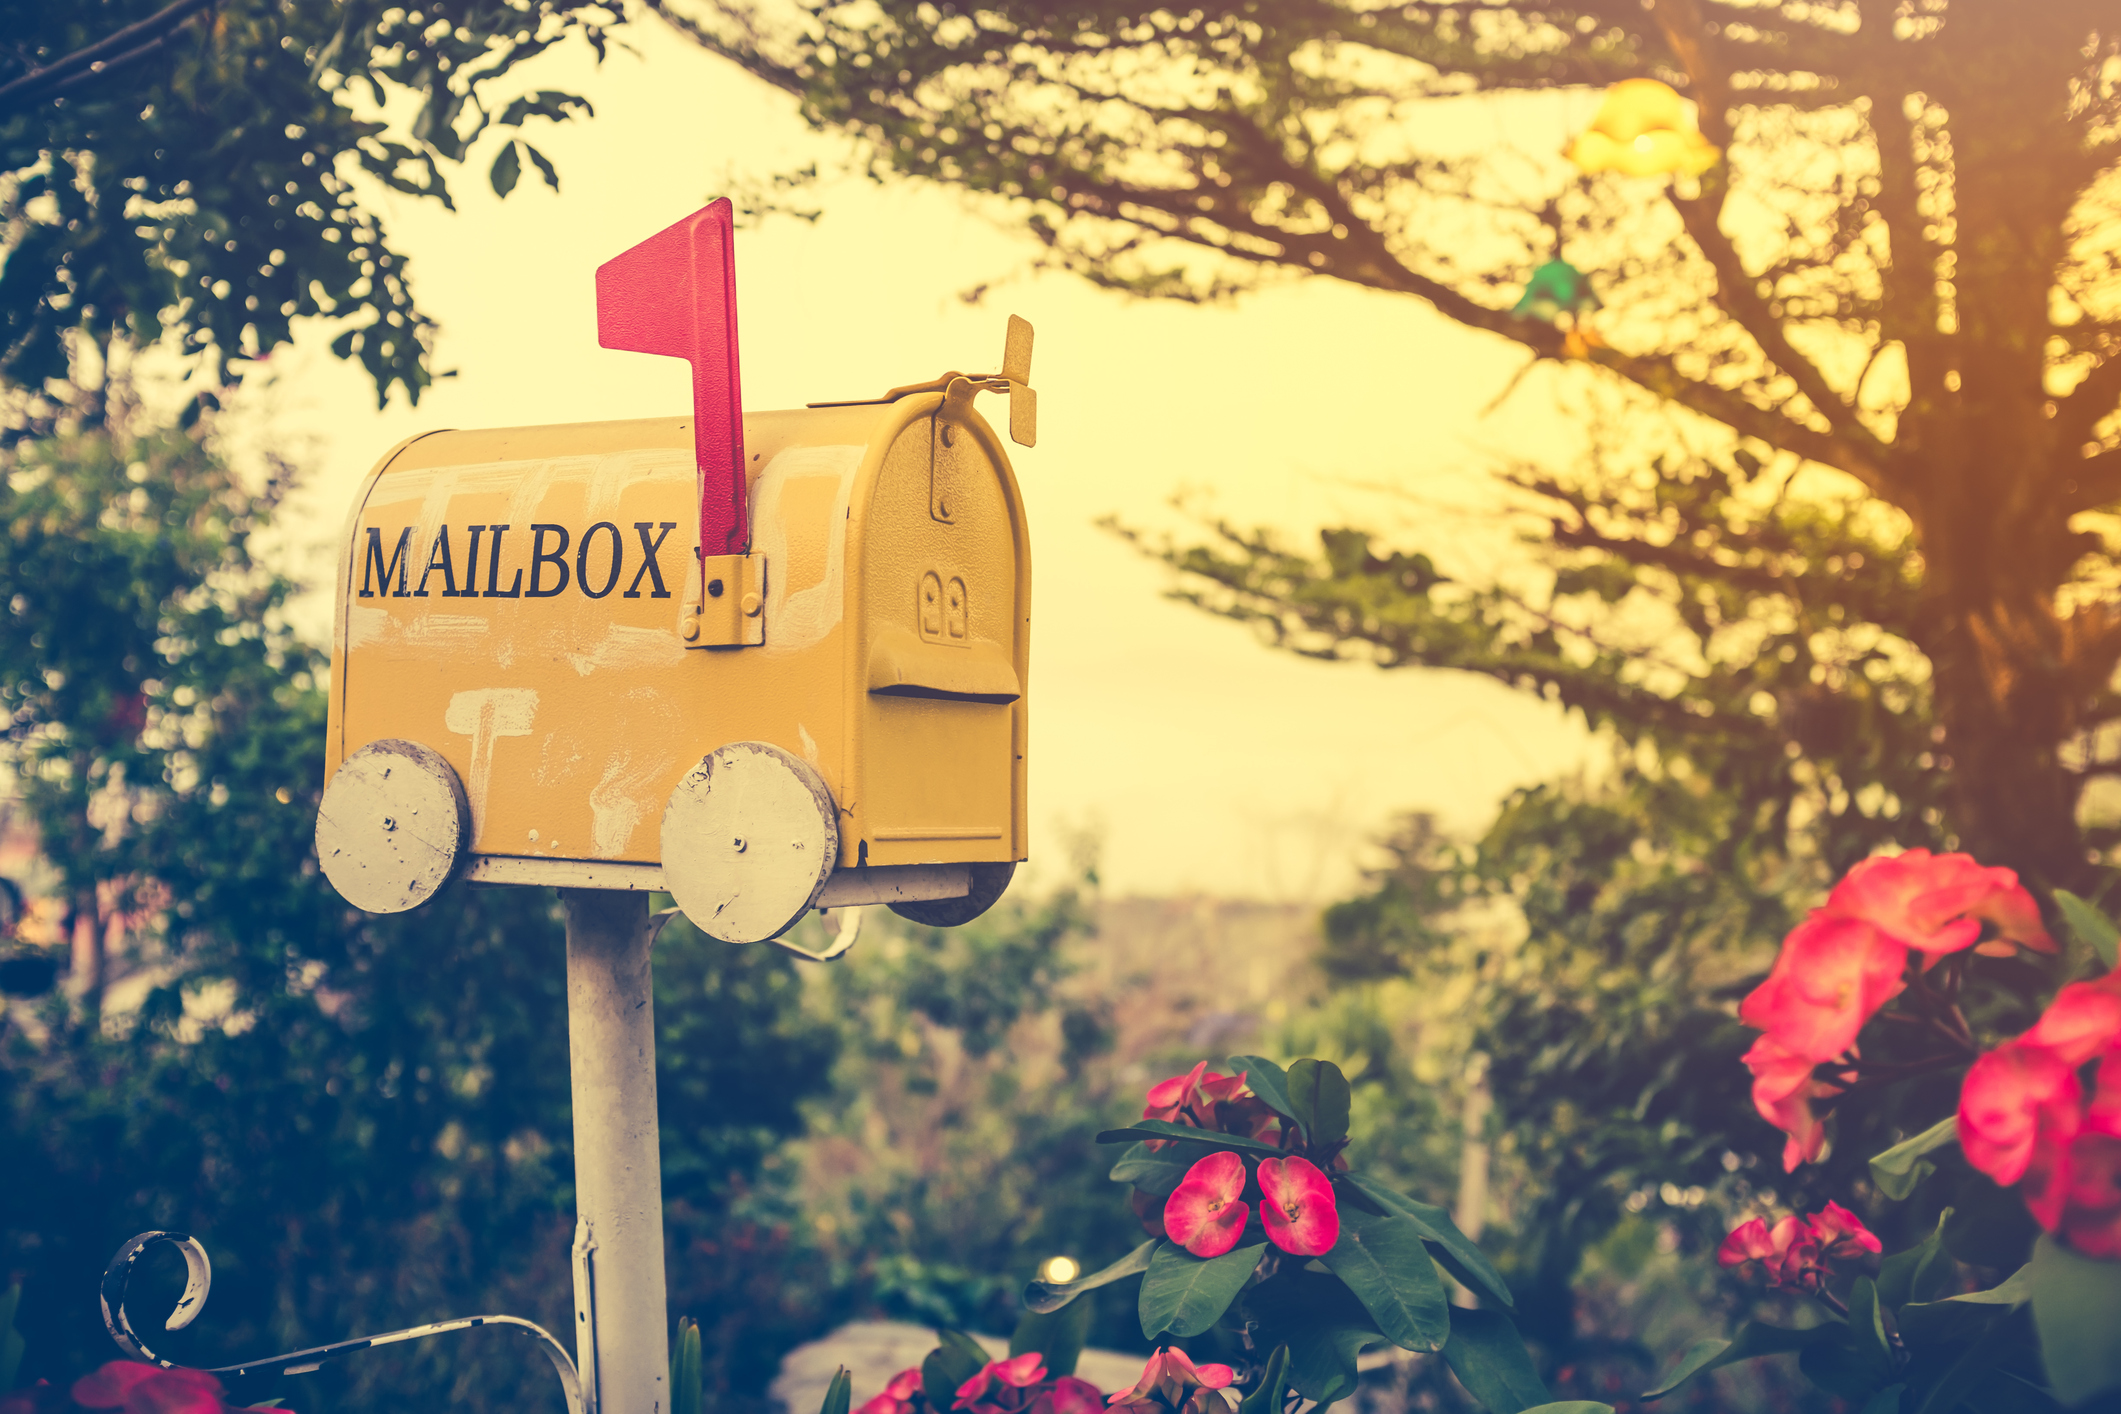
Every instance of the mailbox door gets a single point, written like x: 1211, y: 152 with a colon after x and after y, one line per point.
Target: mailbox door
x: 945, y: 576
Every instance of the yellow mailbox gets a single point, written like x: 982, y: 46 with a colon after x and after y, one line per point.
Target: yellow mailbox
x: 766, y: 661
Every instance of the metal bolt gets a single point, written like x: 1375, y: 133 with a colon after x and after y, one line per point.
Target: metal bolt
x: 739, y: 843
x: 389, y: 824
x: 714, y: 589
x: 692, y: 629
x: 949, y: 434
x: 749, y: 604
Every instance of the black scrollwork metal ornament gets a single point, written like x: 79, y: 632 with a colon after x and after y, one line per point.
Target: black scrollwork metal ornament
x: 199, y: 1280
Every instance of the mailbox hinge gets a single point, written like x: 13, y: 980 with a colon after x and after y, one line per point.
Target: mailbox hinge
x: 731, y: 610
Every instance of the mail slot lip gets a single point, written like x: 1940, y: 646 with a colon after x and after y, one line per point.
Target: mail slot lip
x: 980, y: 670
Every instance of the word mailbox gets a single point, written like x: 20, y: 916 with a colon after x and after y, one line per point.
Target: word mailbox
x: 768, y: 661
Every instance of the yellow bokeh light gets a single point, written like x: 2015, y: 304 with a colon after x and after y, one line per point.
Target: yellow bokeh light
x: 1059, y: 1270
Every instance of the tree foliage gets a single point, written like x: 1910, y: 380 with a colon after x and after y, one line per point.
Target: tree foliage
x: 1905, y: 271
x: 365, y: 1119
x: 190, y: 171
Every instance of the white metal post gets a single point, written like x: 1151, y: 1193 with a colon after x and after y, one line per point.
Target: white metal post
x: 621, y: 1341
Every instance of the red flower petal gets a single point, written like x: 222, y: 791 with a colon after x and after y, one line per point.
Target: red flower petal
x: 1747, y: 1242
x: 2014, y: 1098
x: 1783, y: 1090
x: 1841, y: 1233
x: 1025, y: 1369
x: 1203, y: 1214
x: 108, y: 1387
x: 1074, y: 1396
x: 2091, y: 1215
x: 1832, y: 975
x: 1167, y: 1097
x: 2083, y: 1020
x: 1298, y: 1209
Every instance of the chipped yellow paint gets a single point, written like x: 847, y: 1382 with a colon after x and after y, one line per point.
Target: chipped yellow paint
x: 570, y: 716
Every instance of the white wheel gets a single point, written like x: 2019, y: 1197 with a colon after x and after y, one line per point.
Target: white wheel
x: 749, y: 838
x: 391, y: 826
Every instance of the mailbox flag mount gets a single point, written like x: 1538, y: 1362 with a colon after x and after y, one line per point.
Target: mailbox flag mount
x: 675, y: 294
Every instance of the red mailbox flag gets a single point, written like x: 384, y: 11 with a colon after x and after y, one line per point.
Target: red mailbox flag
x: 675, y: 294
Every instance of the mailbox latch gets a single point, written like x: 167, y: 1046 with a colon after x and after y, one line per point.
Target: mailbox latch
x: 958, y: 388
x: 731, y: 612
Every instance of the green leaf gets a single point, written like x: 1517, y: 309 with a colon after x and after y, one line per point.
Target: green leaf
x: 1045, y: 1296
x: 1268, y: 1081
x: 1322, y: 1323
x: 1900, y: 1168
x: 1158, y: 1171
x: 686, y: 1388
x: 1056, y: 1335
x: 544, y: 165
x: 1272, y: 1396
x: 1855, y: 1361
x: 1184, y: 1294
x: 839, y: 1395
x: 1919, y: 1273
x: 2000, y: 1392
x: 2076, y: 1310
x: 507, y: 170
x: 1487, y: 1354
x: 1754, y: 1339
x: 2093, y: 928
x: 11, y: 1342
x: 957, y: 1359
x: 1322, y: 1098
x: 1949, y: 1369
x: 1383, y: 1261
x: 1885, y: 1401
x: 1988, y: 1225
x: 1163, y: 1129
x: 1457, y: 1252
x: 1957, y: 1322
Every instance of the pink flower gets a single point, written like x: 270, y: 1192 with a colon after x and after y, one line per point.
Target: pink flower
x: 2091, y: 1206
x: 1841, y: 1233
x: 1936, y: 903
x: 2083, y: 1020
x: 1071, y: 1396
x: 1832, y: 975
x: 1171, y: 1381
x: 1168, y: 1098
x: 897, y: 1397
x: 987, y: 1391
x: 149, y: 1389
x: 1783, y: 1090
x: 1208, y: 1099
x: 1204, y: 1214
x: 1794, y: 1251
x: 2024, y: 1117
x: 1297, y: 1207
x: 2019, y: 1102
x: 1747, y: 1242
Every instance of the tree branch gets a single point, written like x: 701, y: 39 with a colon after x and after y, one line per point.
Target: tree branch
x: 133, y: 42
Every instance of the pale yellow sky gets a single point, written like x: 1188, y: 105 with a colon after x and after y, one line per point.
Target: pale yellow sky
x: 1207, y: 761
